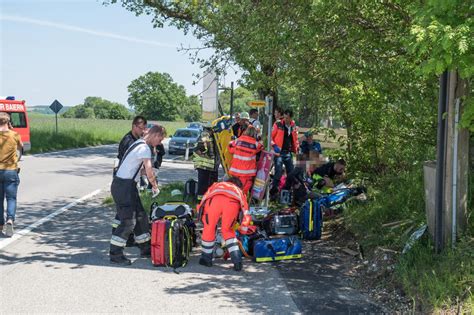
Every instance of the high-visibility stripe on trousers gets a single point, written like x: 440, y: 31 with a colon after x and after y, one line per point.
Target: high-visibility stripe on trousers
x: 207, y: 247
x: 232, y: 245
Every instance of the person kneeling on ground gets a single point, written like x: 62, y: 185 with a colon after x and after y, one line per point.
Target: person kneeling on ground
x: 325, y: 175
x: 223, y: 201
x: 124, y: 191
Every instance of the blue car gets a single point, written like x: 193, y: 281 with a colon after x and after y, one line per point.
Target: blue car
x: 196, y: 125
x: 183, y: 137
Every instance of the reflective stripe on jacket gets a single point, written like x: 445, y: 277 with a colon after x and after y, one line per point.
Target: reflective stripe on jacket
x: 205, y: 156
x: 278, y: 134
x: 229, y: 190
x: 244, y: 160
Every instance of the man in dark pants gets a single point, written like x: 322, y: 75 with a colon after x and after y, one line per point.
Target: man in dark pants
x: 138, y: 129
x: 124, y: 191
x: 285, y: 143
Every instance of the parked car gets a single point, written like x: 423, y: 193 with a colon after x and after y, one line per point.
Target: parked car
x: 183, y: 137
x: 196, y: 125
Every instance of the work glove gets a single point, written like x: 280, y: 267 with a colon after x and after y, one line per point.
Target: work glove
x: 155, y: 192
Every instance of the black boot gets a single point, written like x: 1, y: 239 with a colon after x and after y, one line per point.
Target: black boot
x: 206, y: 260
x: 117, y: 256
x: 237, y: 260
x: 145, y: 250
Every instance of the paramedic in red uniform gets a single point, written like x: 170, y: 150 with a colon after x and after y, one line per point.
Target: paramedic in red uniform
x: 285, y: 143
x: 244, y: 160
x: 224, y: 201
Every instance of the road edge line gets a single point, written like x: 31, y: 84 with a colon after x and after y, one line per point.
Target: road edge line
x: 28, y: 229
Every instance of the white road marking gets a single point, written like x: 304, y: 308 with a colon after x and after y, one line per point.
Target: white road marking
x: 25, y: 231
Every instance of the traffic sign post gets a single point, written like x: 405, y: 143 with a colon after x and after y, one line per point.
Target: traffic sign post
x: 56, y: 107
x: 256, y: 103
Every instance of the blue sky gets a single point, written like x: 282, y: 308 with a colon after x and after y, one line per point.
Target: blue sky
x: 71, y: 49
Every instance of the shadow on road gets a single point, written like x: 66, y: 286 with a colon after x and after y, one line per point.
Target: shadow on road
x: 316, y: 284
x: 81, y: 239
x: 319, y: 283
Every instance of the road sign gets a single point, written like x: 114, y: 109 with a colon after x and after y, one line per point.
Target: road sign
x: 56, y: 106
x: 256, y: 103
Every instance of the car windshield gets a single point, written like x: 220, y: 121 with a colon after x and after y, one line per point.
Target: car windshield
x: 186, y: 134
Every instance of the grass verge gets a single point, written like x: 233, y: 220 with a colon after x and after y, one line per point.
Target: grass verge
x: 162, y: 198
x: 76, y: 133
x: 395, y: 210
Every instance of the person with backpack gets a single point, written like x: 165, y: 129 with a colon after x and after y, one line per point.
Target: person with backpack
x: 206, y: 162
x: 223, y: 201
x: 244, y: 152
x: 124, y: 191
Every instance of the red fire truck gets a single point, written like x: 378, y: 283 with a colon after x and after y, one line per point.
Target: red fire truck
x: 18, y: 118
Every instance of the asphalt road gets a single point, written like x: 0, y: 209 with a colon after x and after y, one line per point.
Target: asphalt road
x: 62, y: 265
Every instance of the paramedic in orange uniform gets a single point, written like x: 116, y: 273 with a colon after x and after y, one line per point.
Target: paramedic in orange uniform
x: 244, y: 159
x: 224, y: 201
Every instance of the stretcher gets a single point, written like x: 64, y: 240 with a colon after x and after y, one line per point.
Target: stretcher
x: 222, y: 128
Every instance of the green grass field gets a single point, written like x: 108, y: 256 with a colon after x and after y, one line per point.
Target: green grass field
x: 76, y: 133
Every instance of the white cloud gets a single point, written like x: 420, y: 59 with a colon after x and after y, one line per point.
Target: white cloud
x: 72, y: 28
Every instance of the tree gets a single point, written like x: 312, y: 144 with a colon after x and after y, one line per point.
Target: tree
x: 241, y: 97
x: 444, y: 41
x: 157, y: 97
x: 96, y: 107
x: 346, y: 58
x: 193, y: 110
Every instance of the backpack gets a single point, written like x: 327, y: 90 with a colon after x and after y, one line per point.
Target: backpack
x: 171, y: 242
x: 180, y: 210
x: 311, y: 220
x: 190, y: 190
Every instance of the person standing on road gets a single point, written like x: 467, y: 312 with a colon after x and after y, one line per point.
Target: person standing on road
x: 138, y: 130
x: 278, y: 112
x: 124, y: 191
x: 223, y: 201
x: 309, y: 145
x: 253, y: 113
x: 242, y: 124
x: 206, y: 162
x: 10, y: 142
x: 244, y: 152
x: 285, y: 143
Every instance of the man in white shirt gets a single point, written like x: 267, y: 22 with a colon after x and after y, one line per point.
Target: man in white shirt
x: 124, y: 191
